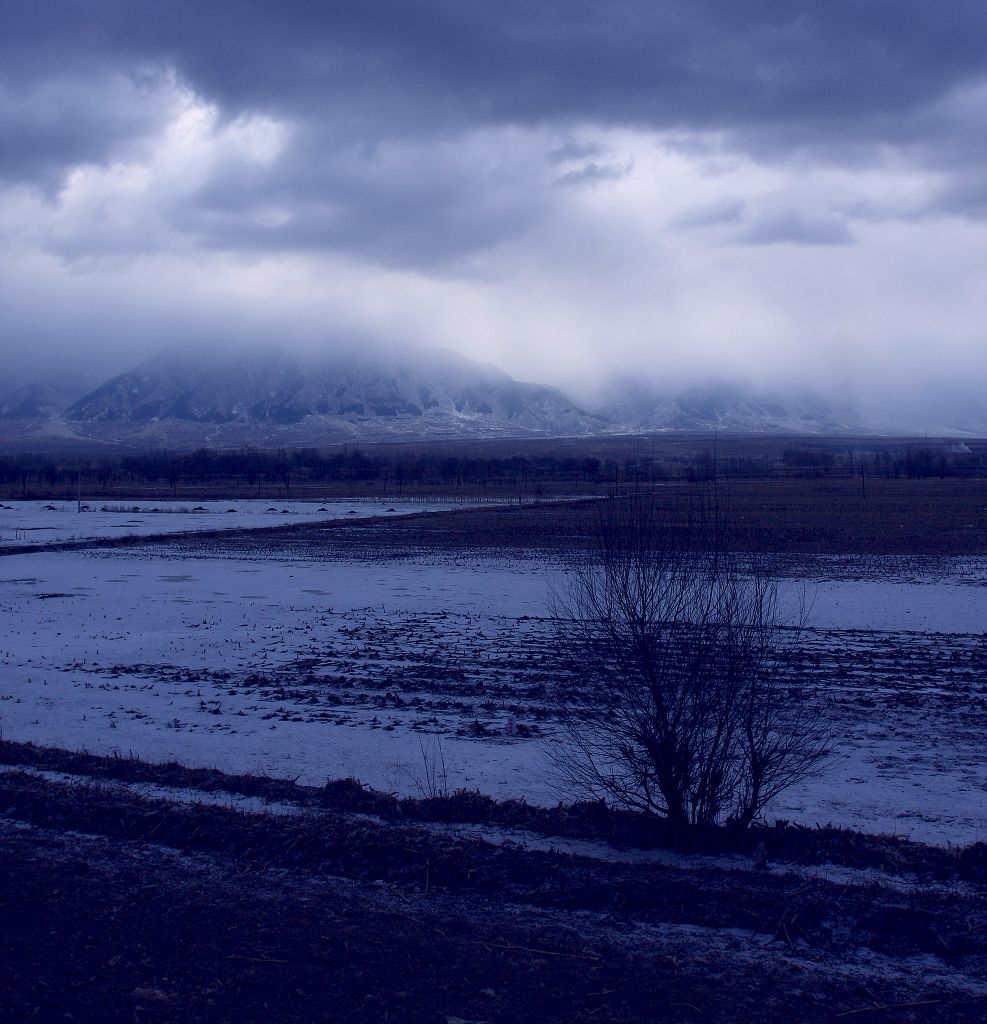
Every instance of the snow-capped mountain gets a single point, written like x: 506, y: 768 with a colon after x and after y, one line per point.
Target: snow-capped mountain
x: 273, y: 397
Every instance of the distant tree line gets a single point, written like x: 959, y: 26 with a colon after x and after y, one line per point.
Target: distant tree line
x: 250, y: 469
x: 913, y: 463
x: 283, y: 468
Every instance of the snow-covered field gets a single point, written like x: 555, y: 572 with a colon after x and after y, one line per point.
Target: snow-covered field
x: 381, y: 670
x: 46, y: 522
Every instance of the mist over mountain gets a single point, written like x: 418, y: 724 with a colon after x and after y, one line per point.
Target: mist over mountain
x: 721, y: 405
x: 32, y: 396
x: 33, y: 401
x: 270, y: 397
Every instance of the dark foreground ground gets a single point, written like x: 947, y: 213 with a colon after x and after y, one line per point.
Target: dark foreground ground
x: 123, y: 903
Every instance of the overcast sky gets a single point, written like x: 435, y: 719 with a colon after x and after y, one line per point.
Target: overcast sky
x: 786, y: 189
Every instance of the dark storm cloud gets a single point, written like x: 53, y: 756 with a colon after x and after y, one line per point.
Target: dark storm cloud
x: 772, y: 73
x: 373, y: 93
x: 400, y: 205
x: 49, y: 125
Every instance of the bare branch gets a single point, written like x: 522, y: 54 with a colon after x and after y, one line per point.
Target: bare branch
x: 676, y: 703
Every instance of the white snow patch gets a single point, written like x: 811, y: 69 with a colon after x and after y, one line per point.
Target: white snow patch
x: 107, y: 651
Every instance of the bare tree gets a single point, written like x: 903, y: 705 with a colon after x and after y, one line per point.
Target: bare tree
x: 677, y: 702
